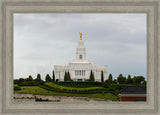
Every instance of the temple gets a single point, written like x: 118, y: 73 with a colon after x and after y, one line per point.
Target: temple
x: 80, y: 68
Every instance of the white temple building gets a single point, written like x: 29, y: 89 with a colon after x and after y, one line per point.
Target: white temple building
x: 80, y: 68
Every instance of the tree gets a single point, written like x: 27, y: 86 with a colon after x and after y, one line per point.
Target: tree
x: 102, y: 78
x: 65, y: 76
x: 21, y: 80
x: 16, y: 81
x: 106, y: 81
x: 48, y: 78
x: 129, y: 80
x: 68, y: 77
x: 114, y: 81
x: 110, y: 78
x: 138, y: 80
x: 38, y: 79
x: 53, y: 77
x: 29, y: 78
x: 144, y: 83
x: 121, y: 79
x: 91, y: 77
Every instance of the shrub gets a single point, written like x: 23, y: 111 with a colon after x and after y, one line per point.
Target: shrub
x: 16, y: 87
x: 48, y: 78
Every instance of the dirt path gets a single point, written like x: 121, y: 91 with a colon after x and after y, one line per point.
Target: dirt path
x: 56, y: 98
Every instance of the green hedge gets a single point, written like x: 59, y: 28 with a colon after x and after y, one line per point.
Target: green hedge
x: 114, y: 89
x: 30, y: 83
x: 58, y: 88
x: 82, y: 84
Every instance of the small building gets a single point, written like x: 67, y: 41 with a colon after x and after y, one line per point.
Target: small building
x: 133, y: 93
x: 81, y: 67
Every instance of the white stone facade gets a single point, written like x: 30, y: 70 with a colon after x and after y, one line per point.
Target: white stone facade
x: 80, y: 68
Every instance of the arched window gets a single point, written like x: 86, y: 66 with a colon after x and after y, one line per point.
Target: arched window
x: 80, y: 56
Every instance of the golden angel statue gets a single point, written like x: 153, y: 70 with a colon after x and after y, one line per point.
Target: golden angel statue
x: 80, y: 36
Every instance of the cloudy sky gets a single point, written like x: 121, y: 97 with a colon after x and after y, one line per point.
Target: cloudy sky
x: 44, y: 40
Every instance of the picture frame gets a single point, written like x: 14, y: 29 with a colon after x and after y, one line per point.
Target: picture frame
x: 9, y: 7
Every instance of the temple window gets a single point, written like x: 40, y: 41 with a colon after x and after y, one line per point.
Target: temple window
x: 80, y: 56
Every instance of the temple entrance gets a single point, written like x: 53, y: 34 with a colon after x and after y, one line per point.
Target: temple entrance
x: 79, y: 79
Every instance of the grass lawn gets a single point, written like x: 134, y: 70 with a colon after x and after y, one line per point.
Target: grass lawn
x: 40, y: 91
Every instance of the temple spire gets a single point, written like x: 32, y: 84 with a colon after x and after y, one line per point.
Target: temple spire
x: 80, y: 36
